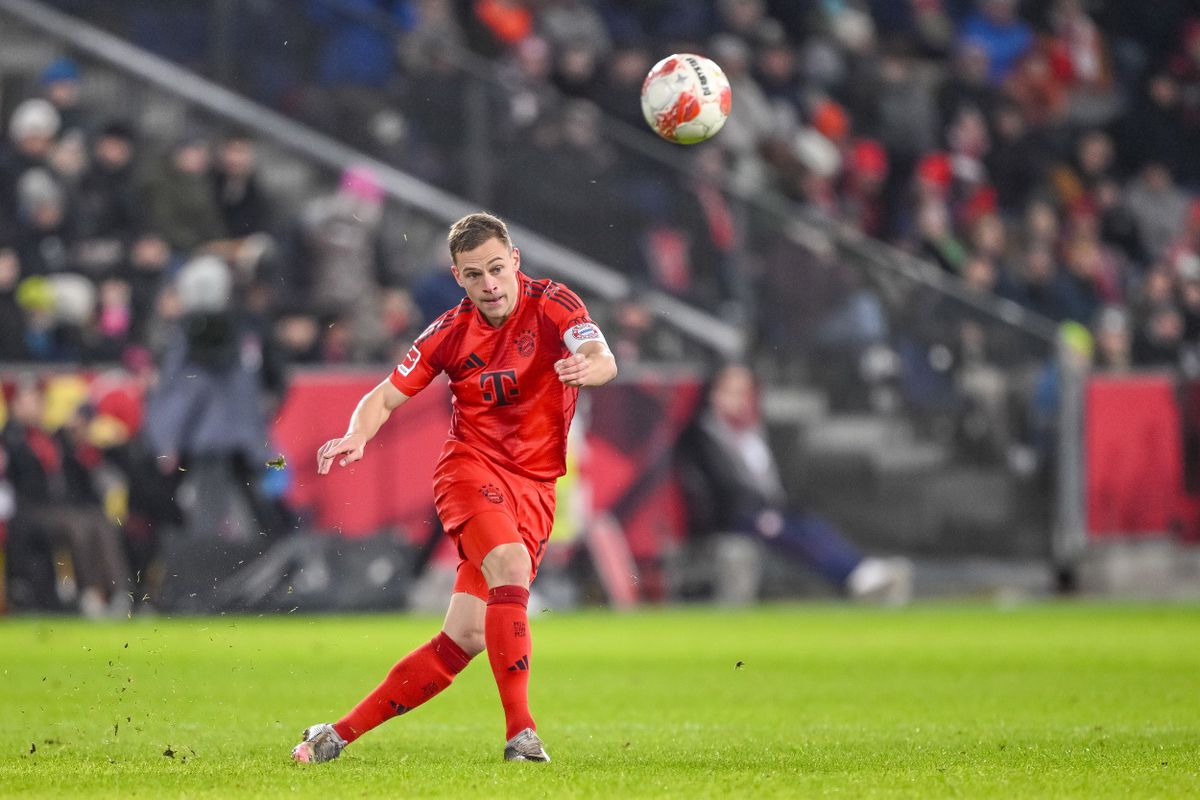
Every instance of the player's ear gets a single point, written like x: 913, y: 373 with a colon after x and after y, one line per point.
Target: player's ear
x: 457, y: 277
x: 516, y: 254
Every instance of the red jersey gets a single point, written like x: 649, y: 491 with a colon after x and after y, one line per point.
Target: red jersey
x: 508, y: 402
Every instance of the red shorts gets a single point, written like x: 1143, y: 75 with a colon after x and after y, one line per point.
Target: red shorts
x: 467, y: 484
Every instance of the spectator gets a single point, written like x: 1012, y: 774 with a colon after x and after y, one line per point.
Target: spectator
x: 149, y: 259
x: 745, y: 19
x: 58, y: 506
x: 1003, y: 35
x: 1159, y: 341
x: 734, y: 486
x: 571, y: 24
x: 968, y: 84
x: 107, y: 212
x: 620, y: 96
x: 1153, y: 131
x: 863, y: 204
x: 435, y: 29
x: 342, y: 268
x: 354, y: 52
x: 61, y: 85
x: 497, y: 25
x: 751, y: 121
x: 114, y: 319
x: 577, y: 70
x: 44, y: 242
x: 31, y: 130
x: 1114, y: 342
x: 207, y: 412
x: 1040, y: 286
x: 178, y: 198
x: 1075, y: 180
x: 12, y: 318
x: 1159, y: 209
x: 244, y: 209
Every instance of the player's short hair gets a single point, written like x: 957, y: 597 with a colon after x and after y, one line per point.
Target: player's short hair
x: 475, y: 229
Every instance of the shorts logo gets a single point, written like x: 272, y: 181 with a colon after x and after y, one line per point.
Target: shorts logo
x: 492, y: 493
x: 410, y: 361
x: 525, y: 342
x: 585, y: 331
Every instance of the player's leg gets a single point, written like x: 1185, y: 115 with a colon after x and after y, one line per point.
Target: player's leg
x: 414, y: 679
x: 491, y: 539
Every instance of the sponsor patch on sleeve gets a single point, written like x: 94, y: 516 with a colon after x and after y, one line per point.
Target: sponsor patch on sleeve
x: 585, y: 331
x: 411, y: 359
x: 580, y: 333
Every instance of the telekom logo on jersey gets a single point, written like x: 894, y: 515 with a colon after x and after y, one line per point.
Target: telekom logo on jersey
x: 500, y: 387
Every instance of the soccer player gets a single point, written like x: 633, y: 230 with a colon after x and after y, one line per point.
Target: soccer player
x: 516, y: 351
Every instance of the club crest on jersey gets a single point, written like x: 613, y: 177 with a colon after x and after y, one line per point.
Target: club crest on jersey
x: 410, y: 360
x: 526, y: 341
x: 492, y: 493
x: 585, y: 331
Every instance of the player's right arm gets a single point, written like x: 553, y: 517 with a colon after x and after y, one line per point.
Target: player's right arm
x: 421, y: 364
x: 368, y: 417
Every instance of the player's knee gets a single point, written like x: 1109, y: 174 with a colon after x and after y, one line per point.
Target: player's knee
x: 507, y: 565
x: 470, y: 639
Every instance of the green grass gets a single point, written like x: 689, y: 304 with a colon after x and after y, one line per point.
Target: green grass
x: 935, y: 701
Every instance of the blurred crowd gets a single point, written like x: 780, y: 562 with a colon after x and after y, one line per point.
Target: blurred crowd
x: 1039, y: 151
x: 1042, y: 153
x: 99, y: 229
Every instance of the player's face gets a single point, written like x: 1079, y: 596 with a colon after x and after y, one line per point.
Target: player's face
x: 489, y: 275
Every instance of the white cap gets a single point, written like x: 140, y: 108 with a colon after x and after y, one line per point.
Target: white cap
x: 74, y: 298
x: 817, y: 153
x: 205, y: 285
x: 35, y: 117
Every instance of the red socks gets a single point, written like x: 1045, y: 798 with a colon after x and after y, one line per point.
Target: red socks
x: 431, y: 667
x: 414, y: 679
x: 506, y: 632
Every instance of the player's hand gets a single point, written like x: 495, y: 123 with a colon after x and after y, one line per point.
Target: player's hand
x: 346, y: 450
x: 573, y: 370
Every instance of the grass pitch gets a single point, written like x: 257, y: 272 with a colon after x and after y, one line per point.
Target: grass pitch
x: 934, y: 701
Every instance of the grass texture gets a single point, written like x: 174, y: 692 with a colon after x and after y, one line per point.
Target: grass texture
x: 972, y: 701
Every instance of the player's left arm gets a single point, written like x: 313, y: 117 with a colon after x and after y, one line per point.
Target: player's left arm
x: 592, y: 364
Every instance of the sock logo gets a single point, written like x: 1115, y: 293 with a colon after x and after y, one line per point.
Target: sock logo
x: 399, y: 709
x: 518, y: 628
x: 521, y: 665
x: 429, y: 689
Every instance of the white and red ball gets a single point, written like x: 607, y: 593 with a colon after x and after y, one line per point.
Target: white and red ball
x: 686, y: 98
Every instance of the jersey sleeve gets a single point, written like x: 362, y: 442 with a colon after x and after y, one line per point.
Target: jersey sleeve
x: 575, y: 325
x: 420, y: 365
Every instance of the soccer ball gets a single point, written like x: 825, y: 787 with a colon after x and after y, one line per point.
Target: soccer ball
x: 686, y: 98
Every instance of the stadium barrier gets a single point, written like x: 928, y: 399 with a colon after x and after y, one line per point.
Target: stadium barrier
x: 620, y: 472
x: 1137, y: 431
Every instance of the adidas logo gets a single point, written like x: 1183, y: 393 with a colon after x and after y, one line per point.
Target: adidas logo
x: 522, y: 664
x: 399, y: 709
x: 472, y: 362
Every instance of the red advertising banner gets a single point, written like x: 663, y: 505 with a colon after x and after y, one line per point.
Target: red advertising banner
x: 1133, y: 447
x: 632, y: 430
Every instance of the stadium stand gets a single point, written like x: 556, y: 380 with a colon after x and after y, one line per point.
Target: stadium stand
x: 922, y: 214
